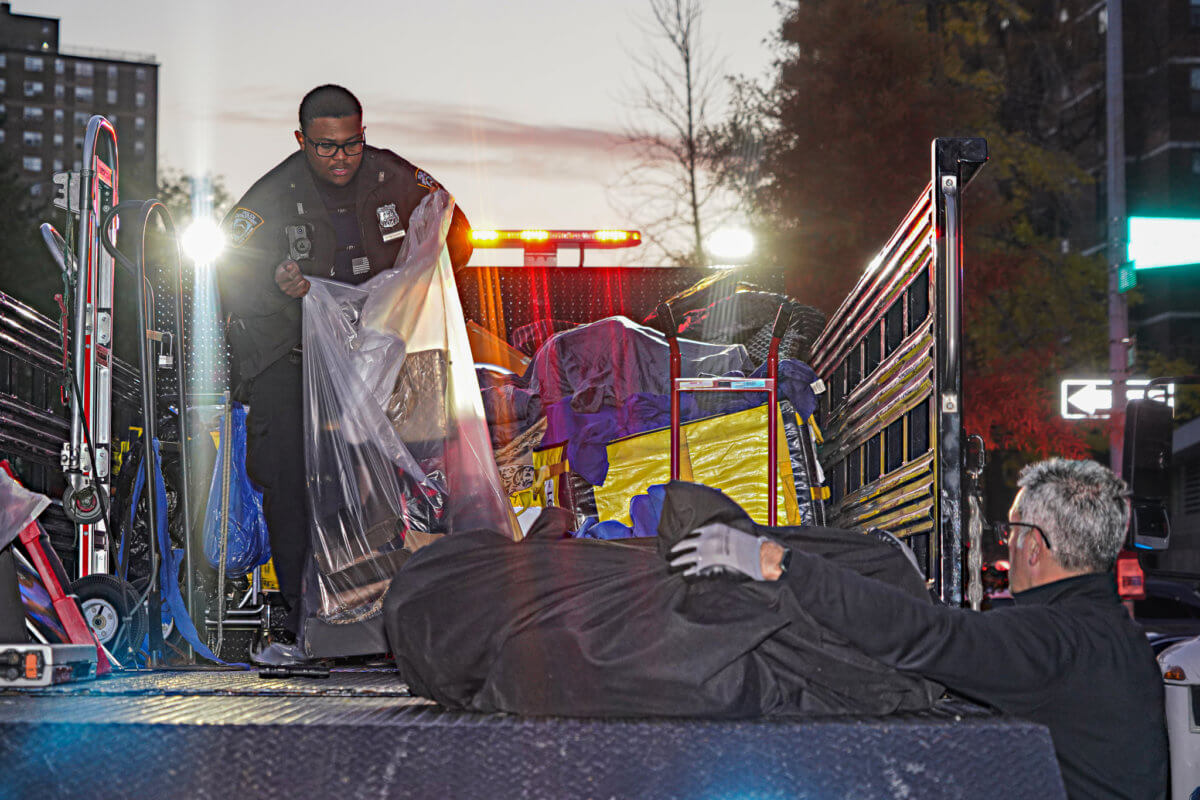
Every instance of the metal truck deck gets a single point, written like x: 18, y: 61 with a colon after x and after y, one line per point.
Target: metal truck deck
x: 229, y: 733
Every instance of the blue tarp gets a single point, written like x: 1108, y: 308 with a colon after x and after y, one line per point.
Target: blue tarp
x: 588, y: 433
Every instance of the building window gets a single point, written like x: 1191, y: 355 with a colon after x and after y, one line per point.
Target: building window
x: 59, y: 66
x: 141, y: 73
x: 32, y: 163
x: 32, y: 138
x: 1, y: 135
x: 59, y: 91
x: 1196, y: 13
x: 33, y: 64
x: 34, y: 88
x: 139, y: 148
x: 58, y: 115
x: 139, y: 99
x: 3, y: 85
x: 81, y: 118
x: 78, y: 144
x: 112, y: 73
x: 1195, y: 82
x: 111, y: 97
x: 3, y: 59
x: 83, y: 69
x: 139, y: 123
x: 58, y: 140
x: 84, y: 94
x: 33, y: 113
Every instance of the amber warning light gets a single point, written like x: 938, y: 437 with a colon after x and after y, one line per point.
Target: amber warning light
x: 541, y: 246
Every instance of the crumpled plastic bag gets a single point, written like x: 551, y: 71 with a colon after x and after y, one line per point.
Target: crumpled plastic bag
x: 248, y: 544
x: 18, y: 508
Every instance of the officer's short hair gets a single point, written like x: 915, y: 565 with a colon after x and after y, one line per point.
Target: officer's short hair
x: 1080, y: 506
x: 329, y: 100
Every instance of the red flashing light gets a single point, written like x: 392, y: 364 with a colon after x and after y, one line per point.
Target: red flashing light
x: 541, y: 246
x: 602, y: 239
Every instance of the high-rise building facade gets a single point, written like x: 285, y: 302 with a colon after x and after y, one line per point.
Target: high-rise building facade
x: 1162, y: 179
x: 1162, y: 108
x: 48, y: 93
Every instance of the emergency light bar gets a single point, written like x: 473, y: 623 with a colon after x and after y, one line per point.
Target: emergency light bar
x: 541, y: 246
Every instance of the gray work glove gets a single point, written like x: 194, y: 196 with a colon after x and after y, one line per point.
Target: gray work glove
x: 717, y: 548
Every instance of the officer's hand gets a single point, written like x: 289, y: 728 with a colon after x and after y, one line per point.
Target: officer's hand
x: 717, y: 548
x: 291, y: 280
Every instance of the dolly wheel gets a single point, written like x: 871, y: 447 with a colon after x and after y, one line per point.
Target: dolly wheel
x: 105, y: 603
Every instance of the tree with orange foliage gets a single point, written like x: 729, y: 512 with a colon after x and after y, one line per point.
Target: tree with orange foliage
x: 862, y: 88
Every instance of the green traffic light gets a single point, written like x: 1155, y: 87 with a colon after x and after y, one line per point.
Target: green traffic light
x: 1156, y: 242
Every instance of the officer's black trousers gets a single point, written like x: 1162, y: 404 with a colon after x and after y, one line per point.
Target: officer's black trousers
x: 275, y: 462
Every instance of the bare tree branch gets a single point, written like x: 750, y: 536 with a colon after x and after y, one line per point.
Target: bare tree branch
x: 672, y: 189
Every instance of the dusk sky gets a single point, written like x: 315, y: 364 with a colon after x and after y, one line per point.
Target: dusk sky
x: 517, y: 107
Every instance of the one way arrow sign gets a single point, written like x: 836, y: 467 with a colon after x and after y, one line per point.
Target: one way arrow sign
x: 1092, y: 399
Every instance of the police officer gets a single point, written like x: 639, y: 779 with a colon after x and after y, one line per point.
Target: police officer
x: 337, y: 208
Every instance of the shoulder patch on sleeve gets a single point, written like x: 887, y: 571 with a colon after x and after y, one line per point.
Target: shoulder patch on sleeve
x: 426, y: 180
x: 242, y: 224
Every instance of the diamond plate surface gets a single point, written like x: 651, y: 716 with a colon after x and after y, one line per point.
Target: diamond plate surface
x: 382, y: 682
x: 210, y: 746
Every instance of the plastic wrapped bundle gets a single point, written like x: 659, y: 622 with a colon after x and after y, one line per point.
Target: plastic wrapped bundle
x: 396, y: 440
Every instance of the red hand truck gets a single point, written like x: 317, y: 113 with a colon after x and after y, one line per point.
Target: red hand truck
x: 54, y: 579
x: 770, y: 385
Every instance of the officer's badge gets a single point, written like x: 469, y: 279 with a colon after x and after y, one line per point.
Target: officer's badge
x: 242, y: 224
x: 426, y: 180
x: 389, y: 222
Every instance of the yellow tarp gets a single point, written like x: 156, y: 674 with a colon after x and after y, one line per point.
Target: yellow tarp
x: 728, y: 452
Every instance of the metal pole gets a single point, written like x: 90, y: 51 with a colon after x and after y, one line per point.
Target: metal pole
x: 1118, y: 311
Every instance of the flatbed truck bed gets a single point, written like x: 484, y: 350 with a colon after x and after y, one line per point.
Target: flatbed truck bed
x: 360, y: 733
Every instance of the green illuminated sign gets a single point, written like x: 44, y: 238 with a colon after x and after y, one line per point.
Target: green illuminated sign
x: 1126, y: 278
x: 1163, y: 242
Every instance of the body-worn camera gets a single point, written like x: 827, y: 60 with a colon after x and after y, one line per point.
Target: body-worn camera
x: 299, y: 241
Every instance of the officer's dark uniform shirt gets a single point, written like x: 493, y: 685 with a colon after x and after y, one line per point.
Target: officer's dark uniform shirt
x: 353, y: 233
x: 1066, y: 656
x: 350, y: 264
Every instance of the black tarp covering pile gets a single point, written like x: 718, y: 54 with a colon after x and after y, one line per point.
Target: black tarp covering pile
x: 551, y: 626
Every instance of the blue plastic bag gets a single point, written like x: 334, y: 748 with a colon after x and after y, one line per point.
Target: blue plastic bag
x: 248, y: 545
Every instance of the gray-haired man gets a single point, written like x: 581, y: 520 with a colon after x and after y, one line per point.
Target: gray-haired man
x: 1066, y: 655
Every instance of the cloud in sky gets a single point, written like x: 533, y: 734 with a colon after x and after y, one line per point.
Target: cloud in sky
x: 427, y: 126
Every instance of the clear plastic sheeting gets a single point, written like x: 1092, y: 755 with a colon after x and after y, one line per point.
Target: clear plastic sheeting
x: 396, y: 440
x: 18, y: 508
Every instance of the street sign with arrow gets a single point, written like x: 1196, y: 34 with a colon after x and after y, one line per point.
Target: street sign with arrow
x: 1092, y: 399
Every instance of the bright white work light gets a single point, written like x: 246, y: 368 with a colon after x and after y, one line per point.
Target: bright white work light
x: 203, y: 241
x: 729, y: 245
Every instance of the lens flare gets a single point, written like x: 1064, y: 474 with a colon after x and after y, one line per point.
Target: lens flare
x: 729, y: 245
x: 203, y: 241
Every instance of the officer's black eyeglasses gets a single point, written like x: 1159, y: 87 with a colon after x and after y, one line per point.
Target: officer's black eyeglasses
x: 330, y: 149
x: 1005, y: 530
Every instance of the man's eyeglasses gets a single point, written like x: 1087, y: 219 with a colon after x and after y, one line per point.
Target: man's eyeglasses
x: 1004, y: 531
x: 330, y: 149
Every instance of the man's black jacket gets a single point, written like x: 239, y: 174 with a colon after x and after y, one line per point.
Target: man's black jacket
x: 264, y: 323
x: 1067, y: 656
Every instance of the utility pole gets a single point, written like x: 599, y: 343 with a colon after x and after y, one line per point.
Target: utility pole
x: 1118, y: 310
